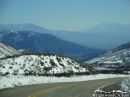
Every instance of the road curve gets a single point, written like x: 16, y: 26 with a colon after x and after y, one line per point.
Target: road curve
x: 69, y: 89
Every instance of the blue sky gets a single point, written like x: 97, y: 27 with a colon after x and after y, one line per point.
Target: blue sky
x: 72, y: 15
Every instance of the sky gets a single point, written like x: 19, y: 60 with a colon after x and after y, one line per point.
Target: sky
x: 72, y: 15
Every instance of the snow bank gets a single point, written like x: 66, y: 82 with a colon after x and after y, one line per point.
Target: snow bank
x: 20, y: 80
x: 125, y: 85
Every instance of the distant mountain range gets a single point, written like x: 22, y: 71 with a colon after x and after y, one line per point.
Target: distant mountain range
x: 25, y: 27
x: 104, y: 35
x: 45, y: 43
x: 109, y: 28
x: 114, y: 58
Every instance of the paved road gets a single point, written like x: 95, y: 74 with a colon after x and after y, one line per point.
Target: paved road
x: 71, y: 89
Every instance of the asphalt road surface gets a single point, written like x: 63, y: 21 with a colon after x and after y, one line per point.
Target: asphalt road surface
x: 70, y: 89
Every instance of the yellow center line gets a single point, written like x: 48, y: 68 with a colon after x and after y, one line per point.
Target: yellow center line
x: 48, y: 90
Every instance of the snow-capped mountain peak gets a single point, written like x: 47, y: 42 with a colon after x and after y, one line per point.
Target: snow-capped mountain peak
x: 10, y: 31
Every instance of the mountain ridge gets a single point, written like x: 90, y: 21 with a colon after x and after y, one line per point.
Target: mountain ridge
x: 113, y: 58
x: 113, y: 34
x: 45, y: 43
x: 109, y: 28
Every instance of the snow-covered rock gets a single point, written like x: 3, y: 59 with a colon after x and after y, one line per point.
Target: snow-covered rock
x: 125, y: 85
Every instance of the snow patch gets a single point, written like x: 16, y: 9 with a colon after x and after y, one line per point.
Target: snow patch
x: 20, y: 80
x: 125, y: 85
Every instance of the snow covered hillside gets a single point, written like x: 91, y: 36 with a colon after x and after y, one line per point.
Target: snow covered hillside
x: 40, y: 65
x: 114, y: 57
x: 6, y: 51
